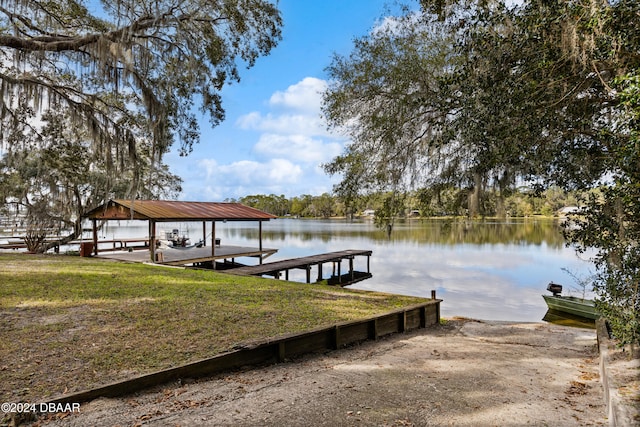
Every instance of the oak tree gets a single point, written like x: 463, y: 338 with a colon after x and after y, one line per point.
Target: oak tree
x: 164, y: 56
x: 477, y: 93
x: 94, y: 93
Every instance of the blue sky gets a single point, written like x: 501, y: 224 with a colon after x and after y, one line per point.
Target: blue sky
x: 273, y: 139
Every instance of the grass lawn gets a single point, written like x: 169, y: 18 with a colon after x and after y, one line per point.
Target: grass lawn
x: 71, y: 323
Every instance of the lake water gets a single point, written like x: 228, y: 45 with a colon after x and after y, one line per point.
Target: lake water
x: 494, y: 270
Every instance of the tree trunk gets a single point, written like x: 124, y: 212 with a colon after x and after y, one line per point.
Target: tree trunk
x: 500, y: 209
x: 474, y: 195
x: 63, y: 241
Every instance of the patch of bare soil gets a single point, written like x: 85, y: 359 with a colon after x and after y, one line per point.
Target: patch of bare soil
x: 465, y: 373
x: 45, y: 352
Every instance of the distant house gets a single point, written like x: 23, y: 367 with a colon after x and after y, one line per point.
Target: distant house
x: 568, y: 210
x: 368, y: 212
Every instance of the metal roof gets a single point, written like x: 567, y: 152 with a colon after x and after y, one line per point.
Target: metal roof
x: 165, y: 210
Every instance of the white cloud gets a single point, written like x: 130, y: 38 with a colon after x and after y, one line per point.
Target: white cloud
x: 301, y: 103
x: 297, y: 147
x: 292, y: 144
x: 251, y: 173
x: 301, y: 124
x: 305, y: 95
x: 210, y: 166
x: 214, y: 181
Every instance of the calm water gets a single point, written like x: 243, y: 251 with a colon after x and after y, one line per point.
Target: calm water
x: 482, y: 269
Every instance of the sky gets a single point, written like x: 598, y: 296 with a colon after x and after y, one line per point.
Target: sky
x: 273, y: 140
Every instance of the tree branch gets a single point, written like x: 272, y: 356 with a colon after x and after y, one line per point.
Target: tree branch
x: 62, y: 43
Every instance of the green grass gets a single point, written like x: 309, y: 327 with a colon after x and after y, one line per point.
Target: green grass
x: 71, y: 323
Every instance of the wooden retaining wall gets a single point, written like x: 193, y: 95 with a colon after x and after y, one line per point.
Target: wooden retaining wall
x: 276, y: 350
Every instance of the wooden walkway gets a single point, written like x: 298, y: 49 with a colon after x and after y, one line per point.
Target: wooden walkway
x: 305, y: 263
x: 180, y: 257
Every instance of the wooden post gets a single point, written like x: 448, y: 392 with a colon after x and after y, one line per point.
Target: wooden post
x: 433, y: 297
x: 373, y: 329
x: 351, y: 268
x: 336, y: 337
x: 423, y: 316
x: 319, y: 272
x: 260, y: 239
x: 213, y: 243
x: 308, y: 268
x: 282, y: 352
x: 204, y: 233
x: 95, y: 236
x: 152, y: 240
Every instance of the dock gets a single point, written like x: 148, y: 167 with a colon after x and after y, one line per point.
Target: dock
x: 165, y: 211
x: 276, y: 268
x: 191, y: 256
x: 225, y: 259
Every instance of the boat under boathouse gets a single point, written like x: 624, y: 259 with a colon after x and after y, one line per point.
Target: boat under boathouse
x: 164, y: 211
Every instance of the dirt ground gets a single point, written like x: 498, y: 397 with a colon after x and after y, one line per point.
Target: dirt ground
x: 465, y: 373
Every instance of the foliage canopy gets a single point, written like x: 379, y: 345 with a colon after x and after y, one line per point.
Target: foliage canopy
x: 94, y: 94
x: 163, y: 55
x: 480, y: 94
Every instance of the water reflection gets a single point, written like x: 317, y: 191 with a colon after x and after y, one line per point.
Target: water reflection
x: 442, y: 231
x: 483, y: 269
x: 566, y: 319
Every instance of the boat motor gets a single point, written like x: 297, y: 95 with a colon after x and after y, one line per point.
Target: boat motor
x: 554, y: 288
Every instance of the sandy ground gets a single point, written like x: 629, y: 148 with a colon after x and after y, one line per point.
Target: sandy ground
x: 465, y: 373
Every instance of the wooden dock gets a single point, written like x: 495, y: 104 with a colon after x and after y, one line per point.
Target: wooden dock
x: 191, y: 256
x: 276, y: 268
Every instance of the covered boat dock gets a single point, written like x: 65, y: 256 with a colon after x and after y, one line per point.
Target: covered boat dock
x: 160, y: 211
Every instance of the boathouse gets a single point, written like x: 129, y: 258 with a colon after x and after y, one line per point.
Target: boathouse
x: 161, y: 211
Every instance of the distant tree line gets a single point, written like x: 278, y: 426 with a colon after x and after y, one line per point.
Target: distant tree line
x: 450, y: 201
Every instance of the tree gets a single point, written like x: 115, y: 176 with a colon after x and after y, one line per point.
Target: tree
x: 163, y: 55
x: 605, y: 44
x: 299, y: 204
x: 609, y: 222
x: 474, y: 94
x: 388, y: 98
x: 125, y: 75
x: 276, y: 205
x: 55, y: 178
x: 324, y: 205
x: 419, y: 100
x: 477, y: 96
